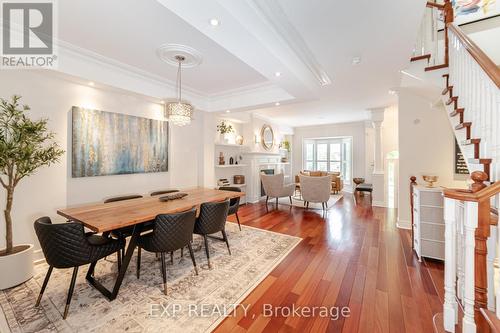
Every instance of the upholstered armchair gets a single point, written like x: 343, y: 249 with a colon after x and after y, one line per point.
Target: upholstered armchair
x: 315, y: 189
x: 274, y: 186
x: 336, y: 178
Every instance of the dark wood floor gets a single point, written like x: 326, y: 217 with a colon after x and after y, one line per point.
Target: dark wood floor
x: 354, y: 257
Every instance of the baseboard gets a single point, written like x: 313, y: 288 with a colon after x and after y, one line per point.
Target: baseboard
x: 38, y: 257
x: 403, y: 224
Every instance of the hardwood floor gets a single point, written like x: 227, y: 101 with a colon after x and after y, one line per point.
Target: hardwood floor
x: 356, y: 258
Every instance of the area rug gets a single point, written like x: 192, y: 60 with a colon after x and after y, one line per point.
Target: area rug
x: 297, y: 201
x: 194, y: 303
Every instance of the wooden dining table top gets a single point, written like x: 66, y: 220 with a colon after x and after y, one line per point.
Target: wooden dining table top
x: 103, y: 217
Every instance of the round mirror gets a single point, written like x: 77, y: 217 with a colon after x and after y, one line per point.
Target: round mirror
x: 267, y: 137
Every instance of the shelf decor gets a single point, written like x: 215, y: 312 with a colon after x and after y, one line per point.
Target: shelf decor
x: 224, y: 129
x: 107, y: 143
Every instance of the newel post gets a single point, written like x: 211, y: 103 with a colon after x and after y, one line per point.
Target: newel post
x: 413, y: 182
x: 450, y: 307
x: 481, y: 252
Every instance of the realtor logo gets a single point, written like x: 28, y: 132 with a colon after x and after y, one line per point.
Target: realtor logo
x: 27, y: 34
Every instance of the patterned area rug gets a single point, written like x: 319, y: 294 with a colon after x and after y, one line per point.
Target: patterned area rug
x: 297, y: 201
x: 194, y: 303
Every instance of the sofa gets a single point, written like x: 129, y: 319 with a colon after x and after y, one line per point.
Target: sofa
x: 337, y: 183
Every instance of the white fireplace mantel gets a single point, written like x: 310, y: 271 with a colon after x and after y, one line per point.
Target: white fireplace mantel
x: 258, y: 161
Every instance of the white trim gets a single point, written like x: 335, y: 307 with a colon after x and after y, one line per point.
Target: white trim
x: 403, y: 224
x: 274, y: 15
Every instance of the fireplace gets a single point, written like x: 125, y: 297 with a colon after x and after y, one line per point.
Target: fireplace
x: 267, y: 172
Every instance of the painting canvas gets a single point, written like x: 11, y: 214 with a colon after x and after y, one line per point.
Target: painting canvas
x: 107, y: 143
x: 467, y: 11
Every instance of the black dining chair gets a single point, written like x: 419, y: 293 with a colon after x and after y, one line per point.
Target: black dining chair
x: 234, y: 203
x: 163, y: 192
x: 67, y: 246
x: 170, y: 232
x: 212, y: 219
x: 125, y: 232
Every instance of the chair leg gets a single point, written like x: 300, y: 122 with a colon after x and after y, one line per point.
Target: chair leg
x: 276, y: 203
x: 44, y: 285
x: 191, y: 253
x: 290, y: 197
x: 70, y: 292
x: 119, y: 259
x: 172, y: 257
x: 224, y: 235
x: 267, y: 199
x: 182, y: 252
x: 238, y: 219
x: 138, y: 272
x: 164, y: 272
x: 207, y: 251
x: 307, y: 204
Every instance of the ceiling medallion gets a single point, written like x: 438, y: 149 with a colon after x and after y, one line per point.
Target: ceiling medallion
x: 169, y: 52
x: 179, y: 113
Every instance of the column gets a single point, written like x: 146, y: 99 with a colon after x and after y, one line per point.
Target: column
x: 450, y: 307
x: 470, y: 225
x: 378, y: 177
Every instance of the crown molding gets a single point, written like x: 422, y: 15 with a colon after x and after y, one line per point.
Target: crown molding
x: 274, y: 15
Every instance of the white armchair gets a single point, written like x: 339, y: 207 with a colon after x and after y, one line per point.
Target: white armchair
x: 315, y: 189
x: 274, y: 186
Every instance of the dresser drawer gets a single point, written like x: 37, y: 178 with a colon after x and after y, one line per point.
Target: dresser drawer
x: 432, y: 249
x: 432, y: 231
x: 431, y: 199
x: 431, y: 214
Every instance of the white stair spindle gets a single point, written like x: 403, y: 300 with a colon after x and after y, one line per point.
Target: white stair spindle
x: 491, y: 244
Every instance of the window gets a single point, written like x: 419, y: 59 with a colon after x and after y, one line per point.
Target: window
x: 329, y: 154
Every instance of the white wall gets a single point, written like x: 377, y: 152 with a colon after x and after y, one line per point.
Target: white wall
x: 356, y: 130
x: 51, y: 188
x: 426, y: 145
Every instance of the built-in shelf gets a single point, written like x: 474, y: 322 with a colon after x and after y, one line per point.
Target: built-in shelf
x: 260, y: 153
x: 230, y: 165
x: 229, y: 145
x: 275, y: 163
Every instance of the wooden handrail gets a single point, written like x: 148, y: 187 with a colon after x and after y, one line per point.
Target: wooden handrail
x: 481, y: 58
x: 478, y: 192
x: 435, y: 5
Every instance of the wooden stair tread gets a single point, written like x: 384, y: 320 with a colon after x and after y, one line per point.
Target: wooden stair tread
x: 480, y: 160
x: 421, y: 57
x: 451, y: 100
x: 445, y: 75
x: 431, y: 68
x: 456, y: 112
x: 446, y: 90
x: 463, y: 125
x: 471, y: 142
x: 491, y: 319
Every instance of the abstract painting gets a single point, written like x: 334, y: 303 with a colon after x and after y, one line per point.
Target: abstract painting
x: 107, y: 143
x: 467, y: 11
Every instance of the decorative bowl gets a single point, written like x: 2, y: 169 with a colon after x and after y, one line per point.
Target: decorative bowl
x: 430, y: 180
x: 358, y: 181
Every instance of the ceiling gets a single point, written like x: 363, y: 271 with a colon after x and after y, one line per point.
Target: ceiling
x: 311, y: 43
x: 130, y: 31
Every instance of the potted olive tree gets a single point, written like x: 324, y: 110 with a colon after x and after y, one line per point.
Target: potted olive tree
x: 25, y: 146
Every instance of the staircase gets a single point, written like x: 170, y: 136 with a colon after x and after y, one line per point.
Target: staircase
x: 470, y: 84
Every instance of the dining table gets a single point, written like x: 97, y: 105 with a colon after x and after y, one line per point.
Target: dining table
x: 106, y: 217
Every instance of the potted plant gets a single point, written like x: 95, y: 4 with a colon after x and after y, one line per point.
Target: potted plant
x: 25, y: 146
x: 224, y: 129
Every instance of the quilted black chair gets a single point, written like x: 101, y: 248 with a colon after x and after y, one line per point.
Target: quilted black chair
x: 212, y: 219
x: 66, y: 246
x: 123, y: 233
x: 163, y: 192
x: 234, y: 203
x: 170, y: 232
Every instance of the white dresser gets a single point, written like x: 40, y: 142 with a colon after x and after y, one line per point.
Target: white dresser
x: 428, y: 222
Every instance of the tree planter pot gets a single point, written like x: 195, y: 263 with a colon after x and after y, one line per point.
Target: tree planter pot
x: 16, y: 268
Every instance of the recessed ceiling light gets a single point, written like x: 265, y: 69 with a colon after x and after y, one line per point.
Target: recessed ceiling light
x: 91, y: 83
x: 162, y: 102
x: 214, y: 22
x: 277, y: 103
x: 227, y: 111
x: 356, y: 60
x: 277, y: 74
